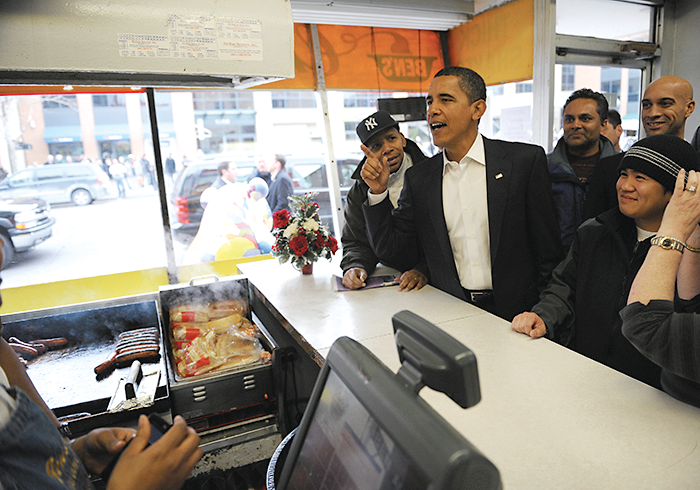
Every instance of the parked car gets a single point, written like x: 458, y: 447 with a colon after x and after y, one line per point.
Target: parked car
x: 307, y: 173
x: 80, y: 183
x: 24, y: 223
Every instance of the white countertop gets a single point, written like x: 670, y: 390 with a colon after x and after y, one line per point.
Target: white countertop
x: 548, y: 418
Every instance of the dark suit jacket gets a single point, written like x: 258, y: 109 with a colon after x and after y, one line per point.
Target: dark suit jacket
x: 218, y: 183
x: 523, y: 230
x: 280, y: 189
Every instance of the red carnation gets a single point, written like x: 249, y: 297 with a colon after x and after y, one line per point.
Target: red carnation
x: 333, y: 244
x: 299, y: 245
x: 280, y: 218
x: 319, y: 242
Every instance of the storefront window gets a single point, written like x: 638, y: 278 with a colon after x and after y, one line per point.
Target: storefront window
x: 68, y: 145
x: 602, y: 19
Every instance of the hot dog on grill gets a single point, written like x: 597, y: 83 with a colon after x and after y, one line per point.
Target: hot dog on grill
x: 139, y: 331
x: 23, y: 349
x: 132, y: 345
x: 53, y: 343
x: 40, y: 348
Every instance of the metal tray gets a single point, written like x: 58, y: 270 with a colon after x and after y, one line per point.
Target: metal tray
x: 244, y: 389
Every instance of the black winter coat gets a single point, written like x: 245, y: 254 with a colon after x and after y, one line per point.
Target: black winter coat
x: 581, y: 304
x: 357, y: 251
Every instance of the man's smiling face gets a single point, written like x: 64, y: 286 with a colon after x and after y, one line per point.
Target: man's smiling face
x: 667, y: 103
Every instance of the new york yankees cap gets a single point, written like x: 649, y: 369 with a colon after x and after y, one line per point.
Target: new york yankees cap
x: 374, y: 124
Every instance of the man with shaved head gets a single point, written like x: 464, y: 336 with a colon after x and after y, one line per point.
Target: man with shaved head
x: 667, y: 103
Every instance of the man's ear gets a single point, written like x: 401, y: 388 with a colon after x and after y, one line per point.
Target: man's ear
x: 479, y: 109
x: 403, y: 140
x: 689, y: 108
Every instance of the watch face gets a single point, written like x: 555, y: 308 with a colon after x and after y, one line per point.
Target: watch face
x: 667, y: 243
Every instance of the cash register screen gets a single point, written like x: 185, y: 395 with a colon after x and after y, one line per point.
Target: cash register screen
x: 345, y: 448
x: 364, y: 428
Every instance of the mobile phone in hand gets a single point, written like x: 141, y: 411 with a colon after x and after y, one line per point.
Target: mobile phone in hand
x: 159, y: 426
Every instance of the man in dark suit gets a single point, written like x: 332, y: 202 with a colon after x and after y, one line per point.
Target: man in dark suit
x: 228, y: 173
x: 281, y: 187
x: 481, y: 211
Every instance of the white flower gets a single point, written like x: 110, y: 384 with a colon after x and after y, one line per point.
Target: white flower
x: 291, y: 230
x: 311, y: 224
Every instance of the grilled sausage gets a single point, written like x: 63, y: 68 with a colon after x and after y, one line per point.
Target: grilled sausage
x: 24, y: 350
x: 40, y: 348
x: 53, y: 343
x: 102, y: 368
x: 139, y: 331
x: 137, y: 342
x: 129, y: 356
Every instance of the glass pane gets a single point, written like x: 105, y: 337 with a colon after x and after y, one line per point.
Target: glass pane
x: 508, y: 112
x: 74, y: 169
x: 602, y: 19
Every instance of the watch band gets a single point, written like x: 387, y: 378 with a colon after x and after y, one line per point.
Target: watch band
x: 668, y: 243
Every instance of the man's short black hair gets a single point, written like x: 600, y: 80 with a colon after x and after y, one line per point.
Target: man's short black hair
x: 280, y: 158
x: 614, y: 118
x: 469, y: 81
x: 586, y: 93
x: 223, y: 166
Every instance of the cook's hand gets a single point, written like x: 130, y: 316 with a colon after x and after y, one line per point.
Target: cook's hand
x: 411, y: 280
x: 683, y: 211
x: 530, y: 324
x: 100, y: 446
x: 354, y: 278
x: 374, y: 172
x: 162, y: 466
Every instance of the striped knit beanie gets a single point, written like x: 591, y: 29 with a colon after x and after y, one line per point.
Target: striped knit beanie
x: 661, y: 157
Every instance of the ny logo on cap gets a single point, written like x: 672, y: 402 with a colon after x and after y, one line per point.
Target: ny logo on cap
x: 370, y: 123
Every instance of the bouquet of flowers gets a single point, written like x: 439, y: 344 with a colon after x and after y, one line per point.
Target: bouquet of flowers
x: 300, y: 238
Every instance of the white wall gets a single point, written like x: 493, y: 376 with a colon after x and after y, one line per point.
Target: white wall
x: 681, y: 56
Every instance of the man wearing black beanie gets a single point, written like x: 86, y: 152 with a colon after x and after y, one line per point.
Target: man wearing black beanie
x: 667, y: 104
x: 580, y: 306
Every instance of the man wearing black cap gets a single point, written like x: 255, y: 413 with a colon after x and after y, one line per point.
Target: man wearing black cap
x: 481, y: 211
x: 378, y: 132
x: 580, y: 307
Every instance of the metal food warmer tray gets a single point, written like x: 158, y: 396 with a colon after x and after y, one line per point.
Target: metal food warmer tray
x: 228, y: 404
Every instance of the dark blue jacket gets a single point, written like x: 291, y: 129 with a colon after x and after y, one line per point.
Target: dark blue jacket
x: 568, y: 190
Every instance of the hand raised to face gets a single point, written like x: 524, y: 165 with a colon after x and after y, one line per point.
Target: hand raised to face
x: 374, y: 173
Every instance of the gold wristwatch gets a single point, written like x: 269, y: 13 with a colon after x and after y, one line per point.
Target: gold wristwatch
x: 668, y: 243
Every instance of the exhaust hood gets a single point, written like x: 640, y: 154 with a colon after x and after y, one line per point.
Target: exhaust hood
x: 171, y: 43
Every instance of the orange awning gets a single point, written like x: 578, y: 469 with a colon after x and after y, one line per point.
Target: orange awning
x: 497, y: 44
x: 366, y: 58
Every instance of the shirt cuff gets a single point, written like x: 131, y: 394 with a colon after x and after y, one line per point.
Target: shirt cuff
x: 373, y: 199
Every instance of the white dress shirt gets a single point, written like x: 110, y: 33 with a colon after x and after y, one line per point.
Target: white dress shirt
x: 464, y: 204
